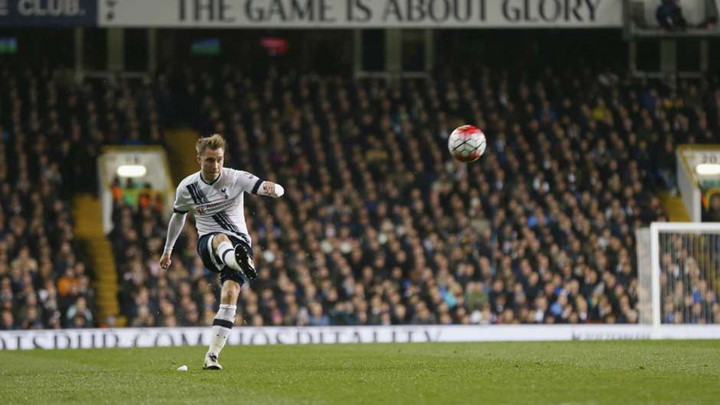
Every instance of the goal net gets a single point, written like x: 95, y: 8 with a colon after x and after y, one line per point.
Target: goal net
x: 679, y: 275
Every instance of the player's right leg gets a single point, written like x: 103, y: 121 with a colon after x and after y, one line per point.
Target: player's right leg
x: 223, y: 323
x: 217, y: 254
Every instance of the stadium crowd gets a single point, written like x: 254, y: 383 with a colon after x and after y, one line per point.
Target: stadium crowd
x: 690, y: 294
x: 51, y: 130
x: 378, y: 226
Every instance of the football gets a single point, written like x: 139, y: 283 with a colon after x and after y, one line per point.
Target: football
x: 467, y: 143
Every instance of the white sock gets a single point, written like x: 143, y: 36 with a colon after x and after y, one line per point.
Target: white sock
x: 222, y: 325
x: 226, y: 253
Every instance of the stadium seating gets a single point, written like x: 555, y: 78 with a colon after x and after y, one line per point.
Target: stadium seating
x: 51, y: 131
x: 691, y: 296
x: 379, y: 227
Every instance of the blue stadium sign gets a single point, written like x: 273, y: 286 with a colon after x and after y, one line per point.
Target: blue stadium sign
x: 48, y: 13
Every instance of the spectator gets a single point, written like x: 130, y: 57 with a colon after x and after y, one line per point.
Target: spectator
x: 8, y: 321
x: 712, y: 211
x: 669, y: 16
x: 78, y: 314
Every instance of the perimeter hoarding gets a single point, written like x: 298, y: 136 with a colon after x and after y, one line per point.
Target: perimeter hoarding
x: 198, y: 336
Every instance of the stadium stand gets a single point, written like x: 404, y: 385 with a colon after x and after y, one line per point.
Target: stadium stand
x: 52, y: 130
x: 377, y: 226
x: 692, y: 296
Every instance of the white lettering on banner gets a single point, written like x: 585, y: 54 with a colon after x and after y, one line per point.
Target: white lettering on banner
x: 162, y: 337
x: 50, y: 8
x: 361, y: 13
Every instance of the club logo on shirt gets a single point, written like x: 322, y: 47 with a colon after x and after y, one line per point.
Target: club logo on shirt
x: 224, y: 191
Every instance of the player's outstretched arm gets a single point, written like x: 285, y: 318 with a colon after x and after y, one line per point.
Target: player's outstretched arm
x: 271, y: 189
x: 175, y: 226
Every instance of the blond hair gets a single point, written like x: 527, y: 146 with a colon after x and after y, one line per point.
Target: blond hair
x: 213, y: 142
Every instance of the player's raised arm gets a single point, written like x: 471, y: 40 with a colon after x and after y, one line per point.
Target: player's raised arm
x: 255, y: 185
x: 270, y: 189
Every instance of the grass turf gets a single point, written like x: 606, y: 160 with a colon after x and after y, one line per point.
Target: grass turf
x: 615, y: 372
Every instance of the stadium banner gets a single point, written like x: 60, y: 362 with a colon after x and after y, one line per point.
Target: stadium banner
x: 362, y: 13
x: 28, y: 13
x: 199, y: 336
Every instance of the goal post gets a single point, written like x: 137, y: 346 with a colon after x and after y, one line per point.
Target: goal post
x: 682, y: 282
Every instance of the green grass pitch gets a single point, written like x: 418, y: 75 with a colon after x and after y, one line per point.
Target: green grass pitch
x: 615, y: 372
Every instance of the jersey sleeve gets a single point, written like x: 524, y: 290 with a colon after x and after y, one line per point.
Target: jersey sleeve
x: 183, y: 202
x: 248, y: 182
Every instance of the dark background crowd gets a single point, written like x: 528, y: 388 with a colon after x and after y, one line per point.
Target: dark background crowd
x: 378, y: 224
x: 691, y: 294
x: 51, y: 132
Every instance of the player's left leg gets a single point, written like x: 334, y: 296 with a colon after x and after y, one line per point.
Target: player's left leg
x: 223, y: 323
x: 234, y: 254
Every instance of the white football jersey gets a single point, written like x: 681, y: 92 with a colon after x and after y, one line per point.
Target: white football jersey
x: 218, y: 205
